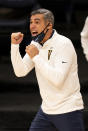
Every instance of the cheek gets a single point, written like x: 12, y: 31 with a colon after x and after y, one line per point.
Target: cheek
x: 40, y: 29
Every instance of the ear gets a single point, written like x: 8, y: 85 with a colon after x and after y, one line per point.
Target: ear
x: 50, y: 26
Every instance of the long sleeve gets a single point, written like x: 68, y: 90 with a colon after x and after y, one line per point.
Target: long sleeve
x: 56, y: 74
x: 84, y: 38
x: 21, y: 66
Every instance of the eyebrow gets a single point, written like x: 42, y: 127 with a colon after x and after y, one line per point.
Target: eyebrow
x: 35, y: 19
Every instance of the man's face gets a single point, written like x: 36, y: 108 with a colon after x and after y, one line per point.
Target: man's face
x: 37, y: 24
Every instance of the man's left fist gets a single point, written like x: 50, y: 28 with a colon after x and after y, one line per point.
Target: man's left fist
x: 32, y: 50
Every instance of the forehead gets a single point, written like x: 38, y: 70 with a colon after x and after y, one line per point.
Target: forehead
x: 37, y: 17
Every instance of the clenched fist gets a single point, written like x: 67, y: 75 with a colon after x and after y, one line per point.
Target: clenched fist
x: 32, y: 50
x: 16, y: 38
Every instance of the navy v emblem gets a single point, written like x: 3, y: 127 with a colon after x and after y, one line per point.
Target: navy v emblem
x: 49, y: 53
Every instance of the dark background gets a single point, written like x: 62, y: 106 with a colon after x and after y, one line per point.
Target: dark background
x: 19, y: 97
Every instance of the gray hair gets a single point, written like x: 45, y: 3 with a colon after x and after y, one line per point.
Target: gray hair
x: 48, y: 15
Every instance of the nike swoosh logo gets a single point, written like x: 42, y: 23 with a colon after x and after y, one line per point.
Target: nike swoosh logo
x: 64, y: 62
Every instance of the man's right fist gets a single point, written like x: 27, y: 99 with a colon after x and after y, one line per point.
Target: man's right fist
x: 16, y: 38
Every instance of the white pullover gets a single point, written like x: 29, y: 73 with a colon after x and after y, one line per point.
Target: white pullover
x: 84, y: 38
x: 57, y: 74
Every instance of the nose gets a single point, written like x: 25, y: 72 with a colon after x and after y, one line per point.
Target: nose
x: 32, y: 26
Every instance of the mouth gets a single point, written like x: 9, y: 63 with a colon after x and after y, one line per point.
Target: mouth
x: 34, y: 33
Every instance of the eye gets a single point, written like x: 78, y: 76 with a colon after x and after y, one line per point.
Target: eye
x: 37, y: 22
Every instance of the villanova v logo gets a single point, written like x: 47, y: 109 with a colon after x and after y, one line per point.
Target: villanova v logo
x: 49, y: 53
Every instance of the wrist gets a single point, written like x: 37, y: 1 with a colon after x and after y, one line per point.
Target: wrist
x: 14, y: 45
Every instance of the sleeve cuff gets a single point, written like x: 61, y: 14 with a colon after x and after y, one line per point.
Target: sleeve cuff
x: 35, y: 58
x: 14, y: 45
x: 36, y: 44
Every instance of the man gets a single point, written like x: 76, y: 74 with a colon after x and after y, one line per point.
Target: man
x: 84, y: 38
x: 55, y: 62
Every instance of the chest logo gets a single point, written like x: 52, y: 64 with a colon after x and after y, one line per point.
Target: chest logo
x: 49, y: 53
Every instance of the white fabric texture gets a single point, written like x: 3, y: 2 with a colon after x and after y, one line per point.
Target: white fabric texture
x: 84, y: 38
